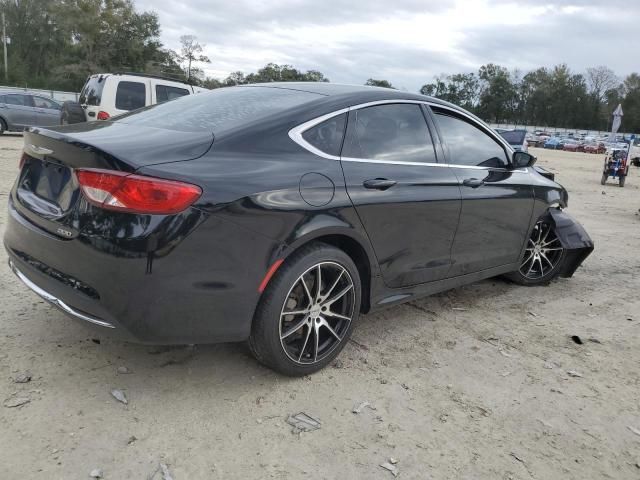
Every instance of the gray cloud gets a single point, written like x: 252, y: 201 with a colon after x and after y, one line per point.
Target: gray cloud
x: 582, y: 39
x: 404, y: 41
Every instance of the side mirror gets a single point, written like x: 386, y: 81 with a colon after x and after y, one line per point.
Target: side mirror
x: 522, y: 160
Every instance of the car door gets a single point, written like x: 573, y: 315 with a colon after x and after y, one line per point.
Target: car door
x: 408, y: 203
x: 497, y: 201
x: 19, y: 110
x: 47, y: 111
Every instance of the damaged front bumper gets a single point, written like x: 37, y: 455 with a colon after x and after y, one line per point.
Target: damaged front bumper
x: 574, y: 239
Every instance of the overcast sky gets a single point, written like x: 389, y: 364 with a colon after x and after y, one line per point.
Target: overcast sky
x: 404, y: 41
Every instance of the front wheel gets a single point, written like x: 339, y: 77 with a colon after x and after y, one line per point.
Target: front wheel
x: 603, y: 180
x: 543, y: 257
x: 307, y: 312
x: 621, y: 180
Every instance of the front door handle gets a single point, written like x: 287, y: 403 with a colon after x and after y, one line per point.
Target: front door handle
x: 379, y: 183
x: 472, y: 182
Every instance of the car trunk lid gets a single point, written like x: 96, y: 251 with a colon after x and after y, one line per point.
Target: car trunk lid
x: 47, y: 191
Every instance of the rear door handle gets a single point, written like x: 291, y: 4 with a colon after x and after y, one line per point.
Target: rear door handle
x: 379, y: 183
x: 472, y: 182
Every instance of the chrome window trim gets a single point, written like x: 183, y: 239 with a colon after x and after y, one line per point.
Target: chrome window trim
x: 296, y: 135
x: 426, y: 164
x: 56, y: 301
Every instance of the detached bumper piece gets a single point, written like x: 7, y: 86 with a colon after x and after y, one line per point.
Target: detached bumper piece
x: 56, y: 301
x: 574, y: 239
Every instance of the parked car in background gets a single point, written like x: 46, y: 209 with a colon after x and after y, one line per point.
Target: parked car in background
x: 107, y: 95
x: 553, y: 143
x: 611, y: 146
x: 595, y: 148
x: 572, y: 146
x: 516, y: 138
x: 634, y: 152
x: 19, y: 110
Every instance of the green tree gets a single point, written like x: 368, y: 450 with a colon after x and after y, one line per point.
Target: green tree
x: 372, y: 82
x: 461, y: 89
x: 631, y: 104
x: 191, y: 52
x: 497, y: 93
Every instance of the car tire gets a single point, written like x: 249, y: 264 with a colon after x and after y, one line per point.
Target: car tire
x: 621, y: 180
x: 72, y: 112
x: 603, y: 180
x: 543, y: 258
x: 3, y: 126
x: 286, y: 342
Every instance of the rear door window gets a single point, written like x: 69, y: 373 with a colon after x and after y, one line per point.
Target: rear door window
x: 164, y: 93
x: 392, y: 133
x: 131, y: 95
x: 327, y: 136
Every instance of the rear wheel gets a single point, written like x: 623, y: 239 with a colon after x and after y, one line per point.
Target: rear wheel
x: 307, y: 312
x: 603, y: 180
x: 543, y: 256
x: 3, y: 126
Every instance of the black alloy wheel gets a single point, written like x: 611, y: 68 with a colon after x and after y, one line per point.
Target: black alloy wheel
x: 308, y: 311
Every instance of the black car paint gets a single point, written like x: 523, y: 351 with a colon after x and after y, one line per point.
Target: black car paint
x: 573, y: 238
x: 194, y: 277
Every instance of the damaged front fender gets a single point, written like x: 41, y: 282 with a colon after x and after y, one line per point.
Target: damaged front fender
x: 574, y: 239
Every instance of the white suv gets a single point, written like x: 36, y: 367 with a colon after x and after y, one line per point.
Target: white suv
x: 106, y: 95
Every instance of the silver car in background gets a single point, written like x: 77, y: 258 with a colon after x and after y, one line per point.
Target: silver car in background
x: 24, y: 109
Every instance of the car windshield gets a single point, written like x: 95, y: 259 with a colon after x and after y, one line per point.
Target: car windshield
x: 92, y: 91
x: 219, y: 110
x: 513, y: 137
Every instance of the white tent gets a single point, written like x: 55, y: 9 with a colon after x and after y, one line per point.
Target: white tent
x: 617, y: 120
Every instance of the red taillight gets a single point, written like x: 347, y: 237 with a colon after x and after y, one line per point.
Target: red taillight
x: 136, y: 194
x: 23, y: 159
x: 102, y: 115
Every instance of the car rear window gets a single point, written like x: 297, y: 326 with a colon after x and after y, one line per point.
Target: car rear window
x: 219, y: 110
x: 92, y: 91
x: 164, y: 93
x: 131, y: 95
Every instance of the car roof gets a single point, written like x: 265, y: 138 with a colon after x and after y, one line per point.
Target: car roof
x: 23, y: 92
x: 351, y: 91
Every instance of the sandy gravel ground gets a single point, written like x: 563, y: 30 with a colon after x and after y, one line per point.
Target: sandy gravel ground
x: 468, y: 384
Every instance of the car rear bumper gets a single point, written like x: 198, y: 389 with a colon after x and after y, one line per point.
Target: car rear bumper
x: 46, y: 288
x: 202, y: 288
x: 55, y: 301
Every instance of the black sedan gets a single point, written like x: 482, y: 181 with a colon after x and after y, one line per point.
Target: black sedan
x: 278, y: 213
